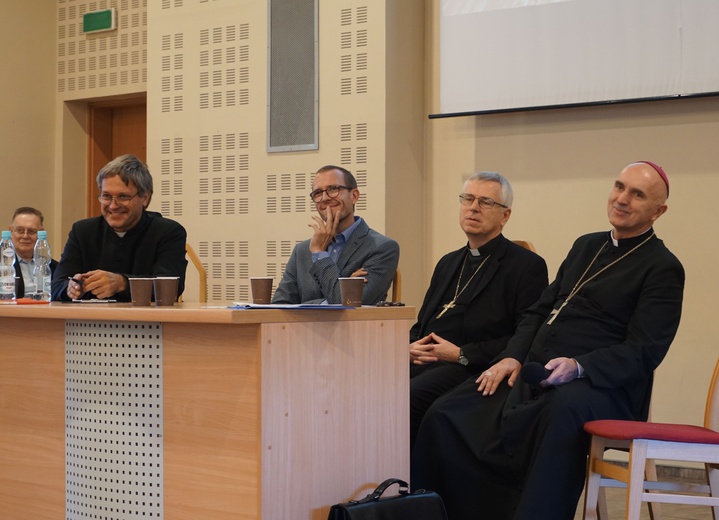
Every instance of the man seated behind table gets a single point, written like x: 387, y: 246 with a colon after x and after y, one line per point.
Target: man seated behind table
x: 26, y: 222
x: 342, y: 245
x: 502, y: 448
x: 475, y: 299
x: 126, y: 241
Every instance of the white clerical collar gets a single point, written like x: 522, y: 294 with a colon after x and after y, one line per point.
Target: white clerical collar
x: 474, y: 252
x: 615, y: 242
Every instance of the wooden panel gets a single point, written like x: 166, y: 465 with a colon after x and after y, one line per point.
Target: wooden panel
x: 211, y: 390
x: 331, y: 426
x: 129, y: 132
x: 32, y: 419
x: 99, y: 152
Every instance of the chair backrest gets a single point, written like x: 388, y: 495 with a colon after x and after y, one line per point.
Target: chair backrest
x: 711, y: 412
x: 525, y: 244
x: 397, y: 286
x: 192, y: 255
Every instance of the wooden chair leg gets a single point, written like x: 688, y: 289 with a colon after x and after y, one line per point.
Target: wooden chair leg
x: 635, y: 486
x: 592, y: 487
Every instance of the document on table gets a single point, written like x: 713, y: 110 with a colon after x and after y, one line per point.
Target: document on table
x: 248, y: 305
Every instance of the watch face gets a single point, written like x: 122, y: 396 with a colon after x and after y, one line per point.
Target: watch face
x: 463, y: 361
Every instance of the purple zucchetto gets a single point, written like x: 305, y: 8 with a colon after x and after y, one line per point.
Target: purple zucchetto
x: 660, y: 171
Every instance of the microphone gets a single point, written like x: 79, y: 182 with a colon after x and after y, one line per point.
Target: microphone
x: 532, y: 373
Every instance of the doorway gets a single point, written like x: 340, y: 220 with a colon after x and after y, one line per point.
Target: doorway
x: 115, y: 127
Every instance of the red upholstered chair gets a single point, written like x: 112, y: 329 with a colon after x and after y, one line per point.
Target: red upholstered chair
x: 668, y: 442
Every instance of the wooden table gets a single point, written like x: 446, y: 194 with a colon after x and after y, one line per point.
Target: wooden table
x: 272, y: 414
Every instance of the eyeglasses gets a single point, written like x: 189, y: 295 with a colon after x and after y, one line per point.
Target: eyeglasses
x: 20, y: 231
x: 121, y: 200
x: 484, y: 202
x: 331, y: 191
x: 389, y: 304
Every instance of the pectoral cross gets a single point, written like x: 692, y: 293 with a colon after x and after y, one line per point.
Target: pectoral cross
x: 555, y: 312
x: 446, y: 306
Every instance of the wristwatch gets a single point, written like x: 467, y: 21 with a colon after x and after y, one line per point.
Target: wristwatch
x: 462, y: 360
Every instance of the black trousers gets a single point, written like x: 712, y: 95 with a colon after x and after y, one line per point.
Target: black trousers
x: 426, y: 384
x: 517, y: 455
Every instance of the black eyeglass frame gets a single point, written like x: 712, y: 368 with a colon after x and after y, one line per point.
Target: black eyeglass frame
x: 484, y: 202
x: 316, y: 195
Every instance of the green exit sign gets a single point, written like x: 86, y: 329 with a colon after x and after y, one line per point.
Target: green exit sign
x: 98, y: 21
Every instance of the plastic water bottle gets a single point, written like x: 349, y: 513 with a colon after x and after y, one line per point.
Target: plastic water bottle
x: 41, y: 272
x: 7, y: 269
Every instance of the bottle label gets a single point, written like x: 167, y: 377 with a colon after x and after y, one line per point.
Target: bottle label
x: 7, y: 286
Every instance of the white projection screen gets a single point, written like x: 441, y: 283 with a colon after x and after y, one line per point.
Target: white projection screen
x: 502, y: 55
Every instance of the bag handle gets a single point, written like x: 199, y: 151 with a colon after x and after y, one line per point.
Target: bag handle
x: 377, y: 493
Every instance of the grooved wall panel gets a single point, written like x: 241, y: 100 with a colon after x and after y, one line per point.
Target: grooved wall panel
x: 204, y: 65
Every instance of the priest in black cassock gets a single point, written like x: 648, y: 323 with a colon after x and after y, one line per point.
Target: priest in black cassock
x: 475, y: 299
x: 499, y: 448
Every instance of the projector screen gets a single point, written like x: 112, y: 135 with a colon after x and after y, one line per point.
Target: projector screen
x: 502, y: 55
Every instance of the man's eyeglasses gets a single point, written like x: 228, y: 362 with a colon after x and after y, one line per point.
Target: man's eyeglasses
x: 331, y: 191
x: 20, y: 231
x: 389, y: 304
x: 121, y: 200
x: 484, y: 202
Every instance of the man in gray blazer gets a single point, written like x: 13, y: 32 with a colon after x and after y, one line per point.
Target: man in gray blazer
x: 342, y: 245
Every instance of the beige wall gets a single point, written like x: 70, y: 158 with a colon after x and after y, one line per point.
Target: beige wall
x: 562, y: 164
x: 26, y: 82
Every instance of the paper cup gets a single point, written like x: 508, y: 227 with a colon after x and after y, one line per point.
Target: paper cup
x: 165, y: 290
x: 351, y: 290
x: 261, y: 289
x: 141, y: 291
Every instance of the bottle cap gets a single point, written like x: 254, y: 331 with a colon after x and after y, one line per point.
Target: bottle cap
x: 42, y: 235
x: 6, y: 234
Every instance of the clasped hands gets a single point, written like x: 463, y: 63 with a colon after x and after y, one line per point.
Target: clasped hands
x: 432, y: 348
x: 563, y: 370
x: 102, y: 284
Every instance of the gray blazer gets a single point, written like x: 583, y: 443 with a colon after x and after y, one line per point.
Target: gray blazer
x: 307, y: 282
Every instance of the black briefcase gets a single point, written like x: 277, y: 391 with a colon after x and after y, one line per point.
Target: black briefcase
x: 418, y: 505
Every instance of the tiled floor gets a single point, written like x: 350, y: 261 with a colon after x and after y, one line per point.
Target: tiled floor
x: 615, y: 507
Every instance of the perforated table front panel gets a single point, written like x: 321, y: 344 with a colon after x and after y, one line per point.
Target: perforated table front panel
x: 113, y: 420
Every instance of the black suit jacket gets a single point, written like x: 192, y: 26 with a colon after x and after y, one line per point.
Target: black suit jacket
x: 514, y: 278
x: 154, y: 247
x: 21, y: 283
